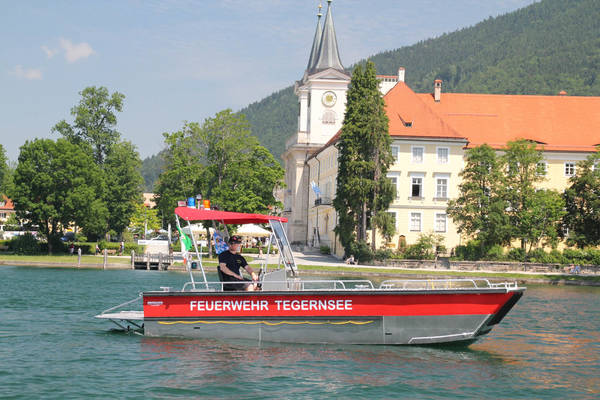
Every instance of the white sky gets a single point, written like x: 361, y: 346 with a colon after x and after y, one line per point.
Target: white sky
x: 185, y: 60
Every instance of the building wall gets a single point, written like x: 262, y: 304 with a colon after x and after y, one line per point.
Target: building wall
x: 418, y: 168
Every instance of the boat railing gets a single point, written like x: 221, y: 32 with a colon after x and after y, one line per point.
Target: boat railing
x: 444, y: 284
x: 139, y: 298
x: 363, y: 284
x: 292, y: 285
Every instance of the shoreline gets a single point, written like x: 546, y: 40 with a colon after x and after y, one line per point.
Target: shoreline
x: 382, y: 272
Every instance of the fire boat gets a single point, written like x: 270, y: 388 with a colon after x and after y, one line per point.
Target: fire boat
x: 294, y: 310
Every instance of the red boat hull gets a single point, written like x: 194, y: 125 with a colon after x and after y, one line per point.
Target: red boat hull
x: 366, y: 317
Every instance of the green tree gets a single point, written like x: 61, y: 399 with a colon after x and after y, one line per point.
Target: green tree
x: 95, y: 121
x: 5, y: 173
x: 183, y: 168
x: 582, y: 199
x: 480, y: 210
x: 123, y: 184
x: 94, y: 129
x: 363, y: 191
x: 144, y: 217
x: 542, y: 220
x: 56, y: 184
x: 523, y: 170
x: 222, y: 161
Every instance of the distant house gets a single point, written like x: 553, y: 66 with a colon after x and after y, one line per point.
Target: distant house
x: 6, y: 210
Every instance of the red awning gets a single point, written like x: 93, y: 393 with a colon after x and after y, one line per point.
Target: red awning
x: 193, y: 214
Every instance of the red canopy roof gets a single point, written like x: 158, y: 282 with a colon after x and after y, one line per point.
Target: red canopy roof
x: 193, y: 214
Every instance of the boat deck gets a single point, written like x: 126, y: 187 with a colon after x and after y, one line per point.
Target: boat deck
x: 124, y: 315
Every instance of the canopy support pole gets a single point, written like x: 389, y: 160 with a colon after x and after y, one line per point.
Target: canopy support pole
x: 198, y: 257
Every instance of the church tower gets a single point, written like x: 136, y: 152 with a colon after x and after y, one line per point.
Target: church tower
x: 321, y: 104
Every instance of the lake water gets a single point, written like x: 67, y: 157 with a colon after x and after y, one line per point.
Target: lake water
x: 51, y: 347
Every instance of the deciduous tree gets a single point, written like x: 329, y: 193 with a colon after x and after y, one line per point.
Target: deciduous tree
x: 56, y: 185
x: 582, y: 199
x: 480, y: 209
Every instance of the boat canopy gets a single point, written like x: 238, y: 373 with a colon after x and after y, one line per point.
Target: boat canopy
x: 227, y: 217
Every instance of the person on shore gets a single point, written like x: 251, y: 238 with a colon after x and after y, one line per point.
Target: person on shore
x: 230, y: 265
x: 97, y: 249
x: 350, y: 260
x: 71, y: 248
x: 121, y: 248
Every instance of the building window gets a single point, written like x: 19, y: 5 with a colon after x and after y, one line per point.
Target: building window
x: 393, y: 215
x: 417, y: 187
x: 417, y: 155
x: 542, y: 168
x: 2, y: 215
x: 395, y: 151
x: 442, y: 155
x: 569, y: 168
x: 415, y: 222
x: 394, y: 182
x: 440, y: 222
x: 441, y: 189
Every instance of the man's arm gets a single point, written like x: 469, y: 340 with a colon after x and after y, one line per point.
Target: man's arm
x: 251, y: 272
x: 229, y: 272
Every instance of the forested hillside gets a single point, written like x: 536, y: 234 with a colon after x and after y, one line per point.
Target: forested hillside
x: 541, y: 49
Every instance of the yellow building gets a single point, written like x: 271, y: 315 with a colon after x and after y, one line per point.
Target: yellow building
x: 430, y: 132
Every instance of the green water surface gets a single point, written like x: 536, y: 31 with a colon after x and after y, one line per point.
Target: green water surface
x: 52, y: 347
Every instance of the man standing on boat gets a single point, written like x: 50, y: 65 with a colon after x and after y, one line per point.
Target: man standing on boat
x: 230, y: 264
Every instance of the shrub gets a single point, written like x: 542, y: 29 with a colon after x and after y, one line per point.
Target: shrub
x: 593, y: 256
x: 383, y: 254
x: 361, y: 251
x: 495, y: 253
x: 25, y: 244
x: 325, y: 250
x: 516, y: 254
x: 254, y: 250
x: 538, y: 256
x: 471, y: 251
x: 574, y: 256
x: 4, y: 245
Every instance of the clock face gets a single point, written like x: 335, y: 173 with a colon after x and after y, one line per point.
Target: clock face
x: 329, y: 99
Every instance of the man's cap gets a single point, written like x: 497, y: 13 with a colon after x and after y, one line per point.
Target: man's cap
x: 235, y: 239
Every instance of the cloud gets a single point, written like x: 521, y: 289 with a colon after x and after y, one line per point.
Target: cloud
x: 74, y: 52
x: 27, y: 73
x: 49, y: 52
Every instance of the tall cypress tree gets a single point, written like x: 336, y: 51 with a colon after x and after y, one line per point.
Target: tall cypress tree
x: 363, y: 191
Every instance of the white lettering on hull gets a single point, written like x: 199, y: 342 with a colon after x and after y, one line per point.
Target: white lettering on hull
x: 264, y: 305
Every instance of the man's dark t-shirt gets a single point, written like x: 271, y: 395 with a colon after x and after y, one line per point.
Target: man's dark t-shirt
x: 234, y: 262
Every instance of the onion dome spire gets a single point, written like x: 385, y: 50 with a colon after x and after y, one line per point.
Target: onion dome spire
x: 329, y: 56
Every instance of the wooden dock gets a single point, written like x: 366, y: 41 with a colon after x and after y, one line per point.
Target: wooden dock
x: 157, y: 261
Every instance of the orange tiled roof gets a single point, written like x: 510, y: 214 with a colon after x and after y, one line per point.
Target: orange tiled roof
x: 8, y: 204
x: 411, y: 116
x: 558, y: 123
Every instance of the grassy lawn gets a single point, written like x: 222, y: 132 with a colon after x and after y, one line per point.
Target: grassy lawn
x: 66, y: 259
x: 460, y: 274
